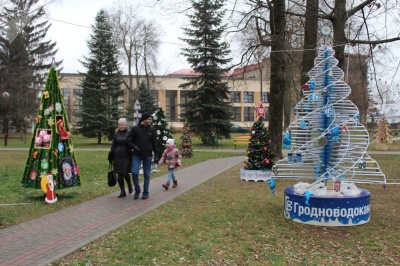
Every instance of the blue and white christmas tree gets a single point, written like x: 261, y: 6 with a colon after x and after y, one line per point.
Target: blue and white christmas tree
x: 326, y: 139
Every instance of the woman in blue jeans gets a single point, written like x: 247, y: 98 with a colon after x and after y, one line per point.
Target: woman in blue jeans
x: 143, y: 140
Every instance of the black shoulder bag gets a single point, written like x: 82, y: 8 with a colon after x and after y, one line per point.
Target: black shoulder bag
x: 111, y: 176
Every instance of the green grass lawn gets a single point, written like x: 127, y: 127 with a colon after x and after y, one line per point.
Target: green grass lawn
x: 224, y: 221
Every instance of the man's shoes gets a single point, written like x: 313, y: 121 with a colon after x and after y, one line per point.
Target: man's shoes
x: 145, y: 196
x: 136, y: 196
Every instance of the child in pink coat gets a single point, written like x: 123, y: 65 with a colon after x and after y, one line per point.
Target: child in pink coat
x: 172, y: 158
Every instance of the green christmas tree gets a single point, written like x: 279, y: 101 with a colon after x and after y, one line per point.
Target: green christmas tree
x: 259, y: 152
x: 51, y: 152
x: 162, y: 128
x: 186, y: 142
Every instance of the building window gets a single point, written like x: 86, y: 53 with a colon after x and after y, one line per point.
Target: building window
x: 265, y: 97
x: 248, y: 97
x: 236, y: 114
x: 171, y: 110
x: 248, y: 114
x: 77, y: 105
x: 267, y: 115
x: 235, y: 97
x: 184, y: 99
x: 154, y: 93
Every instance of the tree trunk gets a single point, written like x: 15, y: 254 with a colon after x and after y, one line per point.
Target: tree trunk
x: 277, y: 26
x: 339, y: 37
x: 310, y: 39
x: 98, y: 138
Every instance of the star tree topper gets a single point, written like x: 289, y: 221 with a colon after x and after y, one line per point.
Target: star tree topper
x: 260, y: 110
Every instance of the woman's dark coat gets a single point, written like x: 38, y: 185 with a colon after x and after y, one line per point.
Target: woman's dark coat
x: 122, y: 152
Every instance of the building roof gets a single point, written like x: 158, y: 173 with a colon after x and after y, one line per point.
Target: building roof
x: 190, y: 72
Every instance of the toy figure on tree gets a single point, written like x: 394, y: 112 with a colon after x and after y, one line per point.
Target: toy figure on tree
x: 259, y: 152
x: 186, y: 142
x: 162, y: 128
x: 51, y: 162
x: 383, y: 135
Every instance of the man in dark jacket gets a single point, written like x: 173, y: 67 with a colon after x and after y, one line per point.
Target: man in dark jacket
x: 144, y: 142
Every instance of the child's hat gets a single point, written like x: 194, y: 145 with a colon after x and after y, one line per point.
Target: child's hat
x: 171, y: 141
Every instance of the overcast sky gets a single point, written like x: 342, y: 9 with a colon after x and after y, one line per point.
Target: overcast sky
x: 71, y: 21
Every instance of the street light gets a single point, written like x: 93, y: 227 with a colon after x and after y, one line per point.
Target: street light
x: 6, y: 97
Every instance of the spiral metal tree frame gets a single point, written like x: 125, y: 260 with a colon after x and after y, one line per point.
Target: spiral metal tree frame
x: 326, y: 140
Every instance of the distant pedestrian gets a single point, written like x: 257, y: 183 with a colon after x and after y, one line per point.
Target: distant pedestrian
x: 121, y: 156
x: 143, y: 139
x: 173, y: 159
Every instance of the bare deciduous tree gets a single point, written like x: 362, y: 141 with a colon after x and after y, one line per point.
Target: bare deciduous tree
x: 139, y: 41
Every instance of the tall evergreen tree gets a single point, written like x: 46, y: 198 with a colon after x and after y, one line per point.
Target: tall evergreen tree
x: 102, y: 93
x: 25, y: 56
x: 146, y: 100
x: 208, y: 109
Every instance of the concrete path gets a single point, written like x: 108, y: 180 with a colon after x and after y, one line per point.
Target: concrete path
x: 53, y: 236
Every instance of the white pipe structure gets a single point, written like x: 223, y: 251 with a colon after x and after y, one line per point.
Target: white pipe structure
x: 326, y: 140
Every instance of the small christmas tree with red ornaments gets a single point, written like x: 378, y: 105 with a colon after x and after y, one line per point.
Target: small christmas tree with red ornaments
x: 259, y: 152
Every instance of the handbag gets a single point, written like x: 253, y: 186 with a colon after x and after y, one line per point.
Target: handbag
x: 111, y: 176
x: 110, y: 156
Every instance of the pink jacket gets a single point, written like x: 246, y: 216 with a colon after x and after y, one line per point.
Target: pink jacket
x: 172, y: 159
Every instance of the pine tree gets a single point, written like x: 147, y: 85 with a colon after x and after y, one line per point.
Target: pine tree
x: 208, y: 108
x: 259, y: 152
x: 383, y: 133
x: 101, y: 84
x: 147, y: 101
x: 25, y: 56
x: 186, y: 142
x: 163, y: 129
x: 51, y: 150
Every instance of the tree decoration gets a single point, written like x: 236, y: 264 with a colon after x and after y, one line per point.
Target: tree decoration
x: 50, y: 148
x: 162, y: 128
x: 383, y: 134
x: 186, y: 142
x: 260, y: 110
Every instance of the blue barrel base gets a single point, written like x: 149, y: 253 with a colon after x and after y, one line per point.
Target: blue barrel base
x: 327, y: 211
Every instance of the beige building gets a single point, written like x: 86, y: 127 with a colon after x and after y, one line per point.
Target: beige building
x: 245, y: 86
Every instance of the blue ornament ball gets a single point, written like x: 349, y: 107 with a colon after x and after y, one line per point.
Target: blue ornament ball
x: 60, y: 147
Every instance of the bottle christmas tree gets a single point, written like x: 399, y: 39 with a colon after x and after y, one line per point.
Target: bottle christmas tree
x: 259, y: 152
x: 327, y: 141
x: 162, y: 128
x: 383, y: 134
x: 186, y: 142
x: 51, y: 159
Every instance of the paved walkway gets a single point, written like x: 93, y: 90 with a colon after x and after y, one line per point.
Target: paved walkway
x: 51, y: 237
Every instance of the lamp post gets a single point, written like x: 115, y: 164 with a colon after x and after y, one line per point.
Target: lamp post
x: 6, y: 97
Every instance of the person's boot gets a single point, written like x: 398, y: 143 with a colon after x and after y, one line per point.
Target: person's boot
x: 128, y: 181
x: 166, y: 185
x: 175, y: 184
x: 121, y: 186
